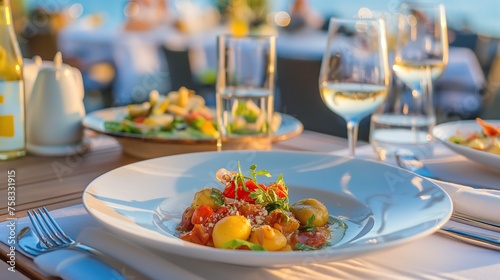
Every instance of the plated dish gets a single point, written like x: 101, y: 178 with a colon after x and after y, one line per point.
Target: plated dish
x: 467, y: 138
x: 144, y: 202
x: 248, y: 214
x: 149, y: 146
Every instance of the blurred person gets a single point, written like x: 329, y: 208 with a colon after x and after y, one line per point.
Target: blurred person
x: 147, y: 14
x: 302, y: 16
x: 140, y: 64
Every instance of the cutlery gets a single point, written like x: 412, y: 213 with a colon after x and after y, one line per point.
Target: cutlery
x: 47, y: 236
x: 471, y: 237
x: 469, y: 220
x: 411, y: 162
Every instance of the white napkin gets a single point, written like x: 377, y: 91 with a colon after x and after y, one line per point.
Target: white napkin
x: 480, y: 203
x: 74, y: 265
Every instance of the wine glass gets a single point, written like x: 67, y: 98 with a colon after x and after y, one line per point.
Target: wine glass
x: 421, y: 55
x: 355, y: 73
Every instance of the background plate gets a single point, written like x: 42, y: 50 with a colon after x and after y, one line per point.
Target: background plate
x: 148, y: 147
x: 384, y: 206
x: 443, y: 131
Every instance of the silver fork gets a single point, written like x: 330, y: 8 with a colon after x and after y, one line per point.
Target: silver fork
x: 51, y: 234
x: 54, y: 238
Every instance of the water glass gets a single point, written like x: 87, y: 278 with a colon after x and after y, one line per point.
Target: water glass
x: 245, y: 91
x: 403, y: 122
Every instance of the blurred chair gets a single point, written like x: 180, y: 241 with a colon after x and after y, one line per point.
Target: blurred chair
x: 180, y: 74
x: 41, y: 38
x: 458, y: 93
x: 300, y: 98
x: 179, y: 68
x: 492, y: 91
x: 462, y: 38
x: 140, y: 66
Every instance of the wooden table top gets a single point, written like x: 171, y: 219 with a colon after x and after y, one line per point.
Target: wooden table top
x: 56, y: 182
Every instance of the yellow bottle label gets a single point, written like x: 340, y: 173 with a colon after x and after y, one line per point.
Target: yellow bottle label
x: 11, y: 116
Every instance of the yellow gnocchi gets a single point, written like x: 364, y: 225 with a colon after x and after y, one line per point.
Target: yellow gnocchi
x: 229, y: 228
x: 269, y: 238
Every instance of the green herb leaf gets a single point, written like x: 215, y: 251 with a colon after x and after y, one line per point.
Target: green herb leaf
x: 281, y: 182
x: 304, y: 247
x: 260, y: 196
x: 239, y: 180
x: 217, y: 196
x: 309, y: 226
x: 113, y: 126
x: 236, y: 243
x: 272, y: 206
x: 254, y: 172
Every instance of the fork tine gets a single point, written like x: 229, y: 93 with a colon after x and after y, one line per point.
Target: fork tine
x: 38, y: 229
x: 56, y: 227
x: 49, y: 226
x: 45, y: 229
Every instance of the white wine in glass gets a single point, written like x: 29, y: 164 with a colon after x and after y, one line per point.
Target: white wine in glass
x: 355, y: 73
x: 421, y: 55
x: 421, y: 45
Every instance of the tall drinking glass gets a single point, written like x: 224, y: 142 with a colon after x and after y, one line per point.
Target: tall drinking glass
x: 355, y: 73
x: 421, y: 55
x: 245, y: 91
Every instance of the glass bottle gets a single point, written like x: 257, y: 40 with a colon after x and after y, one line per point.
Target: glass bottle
x: 12, y: 104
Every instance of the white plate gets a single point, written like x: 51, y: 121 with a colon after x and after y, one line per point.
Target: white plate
x: 443, y: 131
x: 383, y: 206
x: 148, y: 147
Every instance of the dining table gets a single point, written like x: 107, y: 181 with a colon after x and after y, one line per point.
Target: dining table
x: 58, y: 183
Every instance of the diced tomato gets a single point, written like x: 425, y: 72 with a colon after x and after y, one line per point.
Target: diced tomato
x: 222, y: 211
x: 280, y: 191
x: 229, y: 191
x: 316, y: 238
x: 197, y: 235
x: 192, y: 116
x: 139, y: 119
x: 250, y: 210
x: 241, y: 193
x: 185, y: 223
x: 202, y: 215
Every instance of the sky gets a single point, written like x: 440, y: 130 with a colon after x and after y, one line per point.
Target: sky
x: 482, y: 16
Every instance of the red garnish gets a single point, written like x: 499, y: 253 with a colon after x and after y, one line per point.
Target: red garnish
x: 488, y: 128
x: 242, y: 193
x: 139, y: 119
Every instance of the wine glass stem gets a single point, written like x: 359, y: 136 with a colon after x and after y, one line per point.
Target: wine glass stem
x: 352, y: 136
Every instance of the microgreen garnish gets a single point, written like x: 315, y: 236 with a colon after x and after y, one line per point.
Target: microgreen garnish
x: 309, y: 226
x: 267, y: 197
x: 236, y: 243
x: 281, y: 182
x: 217, y: 196
x: 254, y: 173
x: 239, y: 180
x: 270, y: 200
